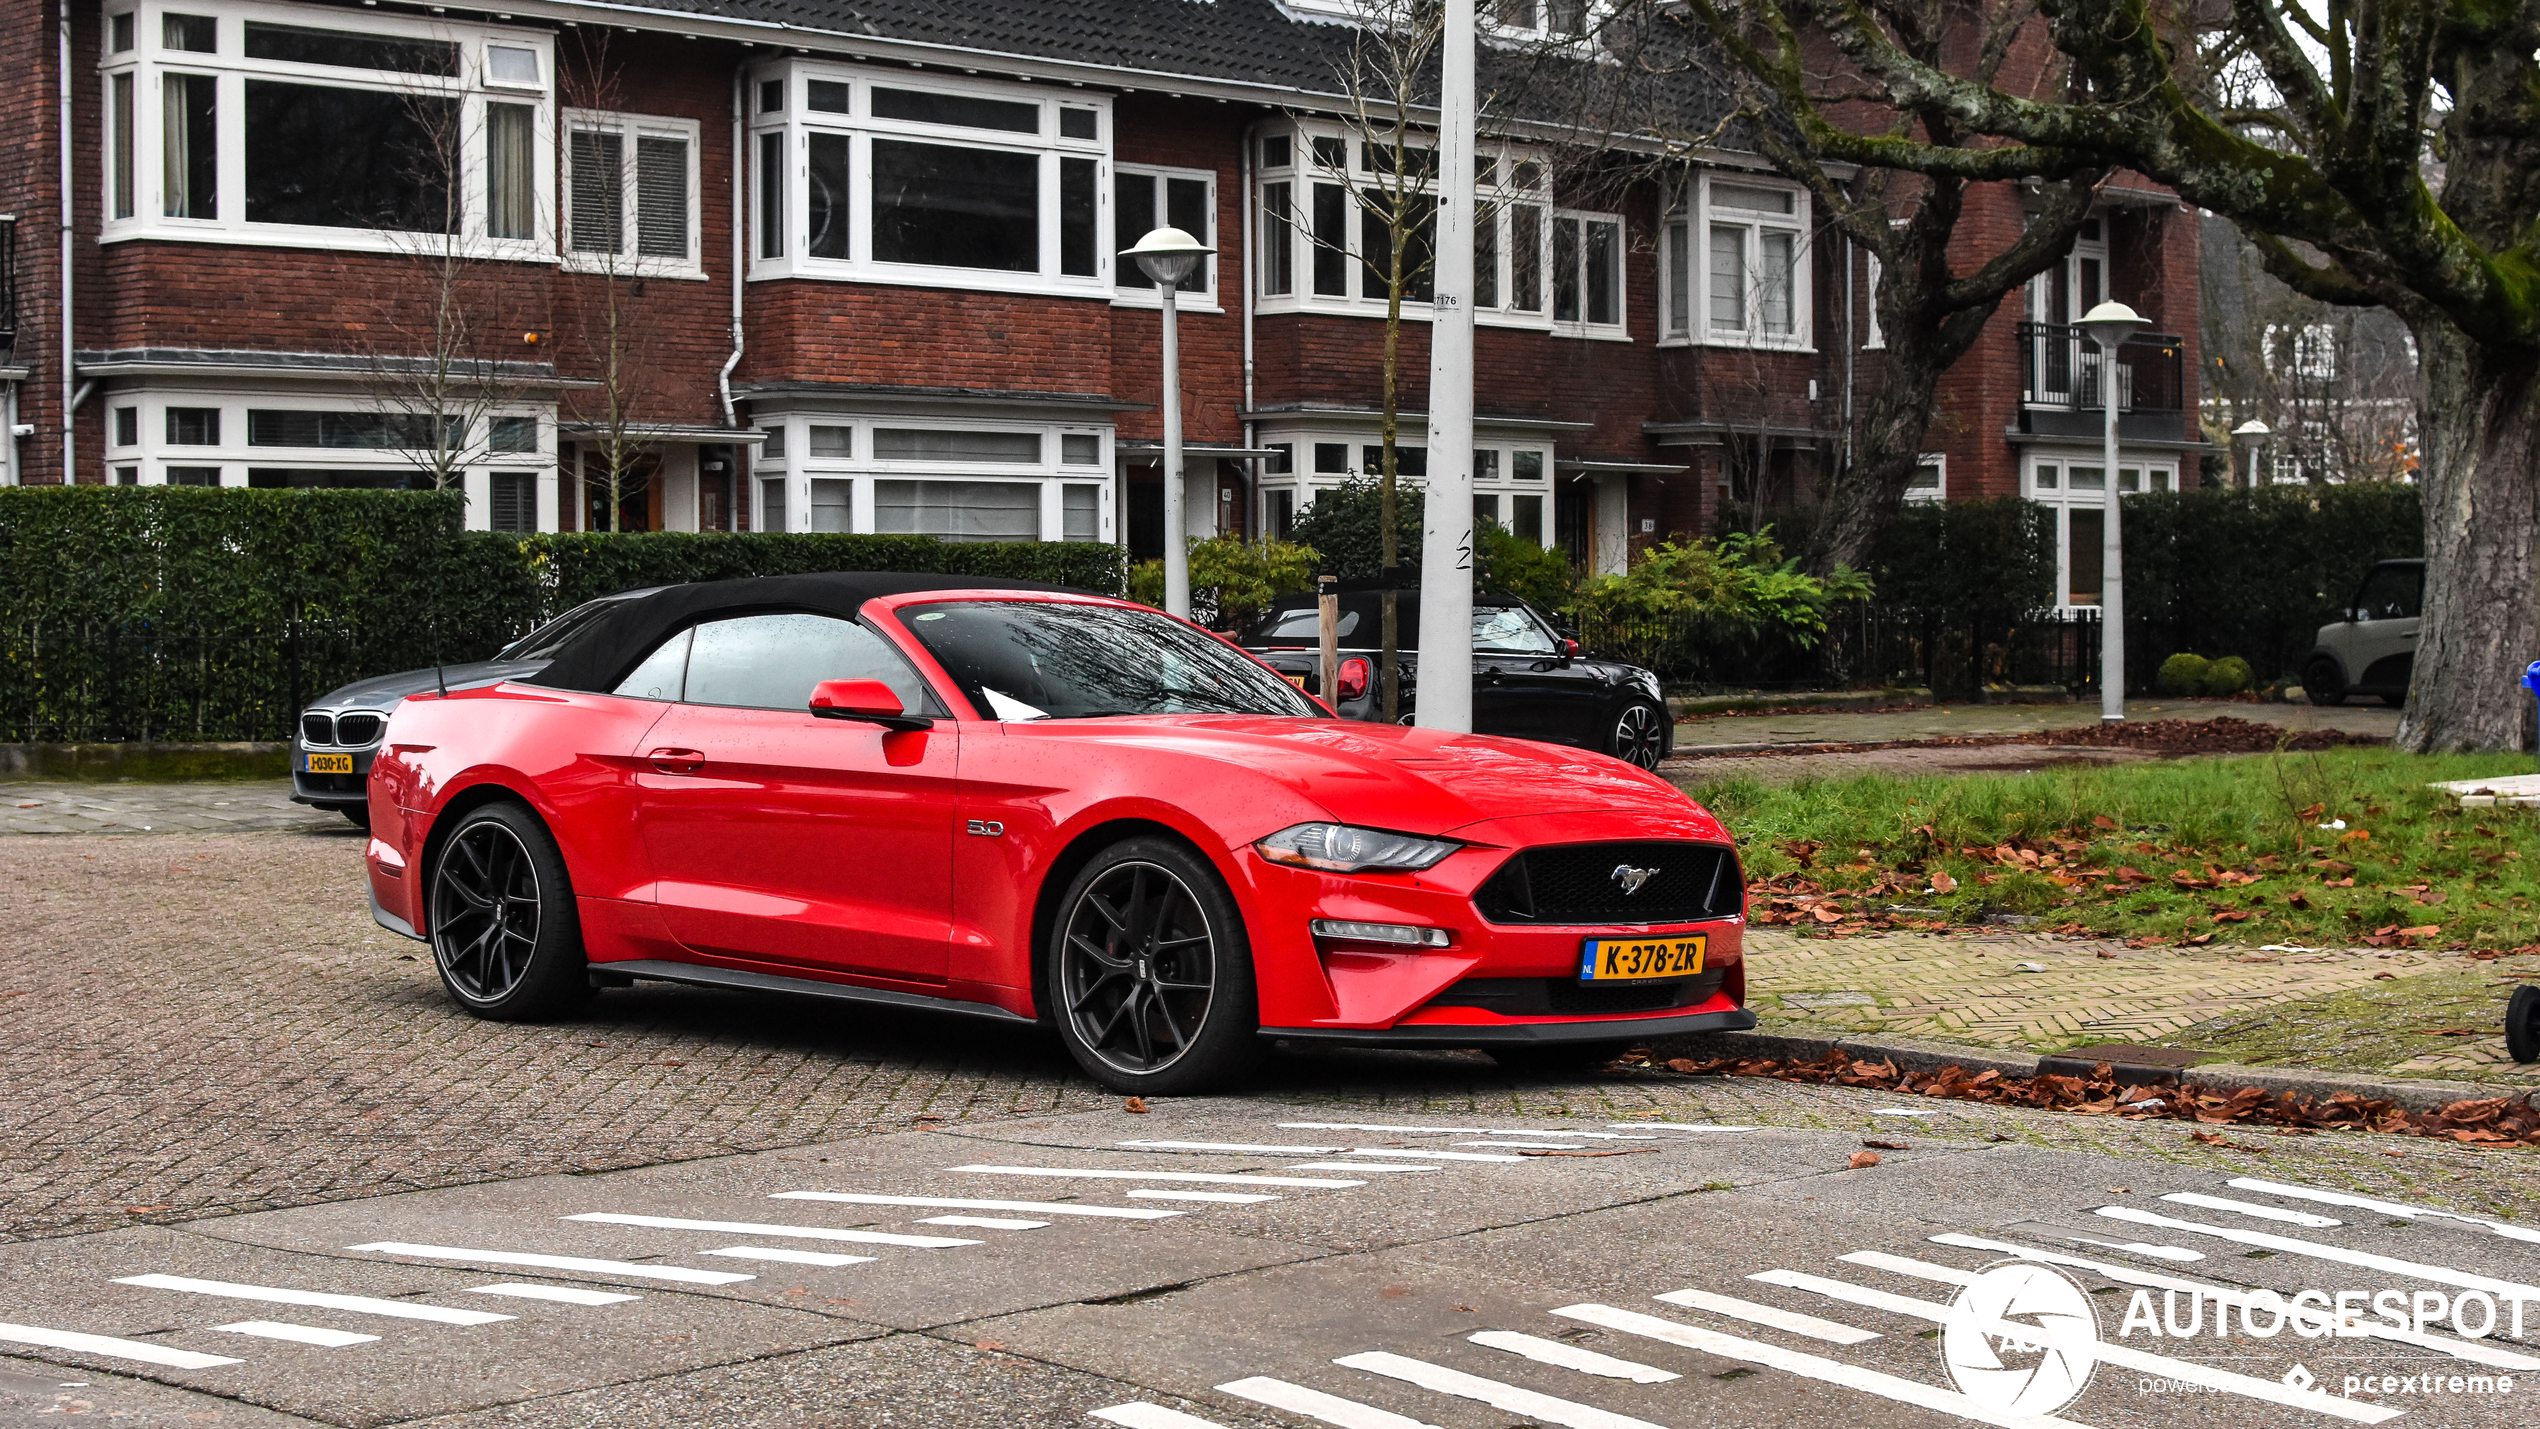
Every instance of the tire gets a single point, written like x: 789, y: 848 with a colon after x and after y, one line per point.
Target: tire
x: 2522, y: 1024
x: 2323, y: 684
x: 2397, y: 702
x: 505, y: 935
x: 1149, y: 949
x: 1638, y: 734
x: 1556, y: 1058
x: 357, y: 814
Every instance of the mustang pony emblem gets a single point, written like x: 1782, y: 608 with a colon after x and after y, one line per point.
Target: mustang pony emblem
x: 1631, y: 878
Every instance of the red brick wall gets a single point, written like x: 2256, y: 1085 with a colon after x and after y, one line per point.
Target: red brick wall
x: 30, y: 165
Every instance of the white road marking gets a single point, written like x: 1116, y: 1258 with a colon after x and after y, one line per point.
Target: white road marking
x: 1464, y: 1130
x: 985, y: 1223
x: 560, y: 1294
x: 2251, y: 1208
x: 1680, y: 1126
x: 1150, y: 1416
x: 358, y: 1304
x: 297, y: 1334
x: 1780, y: 1319
x: 1072, y: 1173
x: 1228, y: 1198
x: 789, y: 1257
x: 1315, y: 1404
x: 1904, y: 1111
x: 2386, y: 1208
x: 2415, y: 1269
x: 1533, y: 1145
x: 626, y: 1269
x: 1546, y: 1408
x: 1902, y: 1265
x: 1250, y: 1149
x: 1807, y: 1366
x: 955, y: 1203
x: 681, y: 1223
x: 2108, y: 1352
x: 1553, y: 1352
x: 2471, y: 1350
x: 108, y: 1347
x: 2178, y: 1253
x: 1371, y: 1166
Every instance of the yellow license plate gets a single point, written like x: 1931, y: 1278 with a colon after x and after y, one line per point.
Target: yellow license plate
x: 1296, y: 680
x: 330, y: 764
x: 1637, y: 959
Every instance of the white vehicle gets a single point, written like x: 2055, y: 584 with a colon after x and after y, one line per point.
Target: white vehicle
x: 2373, y: 650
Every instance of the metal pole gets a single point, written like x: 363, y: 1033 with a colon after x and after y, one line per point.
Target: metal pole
x: 2111, y: 560
x: 2253, y: 463
x: 1177, y: 541
x: 1446, y: 543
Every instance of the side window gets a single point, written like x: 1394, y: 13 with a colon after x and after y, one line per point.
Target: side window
x: 659, y: 677
x: 772, y: 662
x: 2392, y: 593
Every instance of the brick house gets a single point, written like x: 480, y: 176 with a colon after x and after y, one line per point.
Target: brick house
x: 852, y: 268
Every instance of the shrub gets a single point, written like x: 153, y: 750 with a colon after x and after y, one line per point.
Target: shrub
x: 2183, y: 674
x: 2226, y: 676
x: 1990, y: 561
x: 1232, y: 579
x: 1345, y: 525
x: 1739, y: 590
x: 1512, y: 564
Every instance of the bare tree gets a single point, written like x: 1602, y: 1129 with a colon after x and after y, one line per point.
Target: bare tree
x: 2336, y: 386
x: 606, y: 166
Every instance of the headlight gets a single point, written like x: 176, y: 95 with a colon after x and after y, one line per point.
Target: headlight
x: 1345, y: 848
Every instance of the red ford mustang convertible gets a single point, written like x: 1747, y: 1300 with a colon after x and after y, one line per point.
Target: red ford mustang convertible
x: 1041, y: 807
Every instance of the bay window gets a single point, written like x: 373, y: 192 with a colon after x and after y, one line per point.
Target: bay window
x: 882, y: 177
x: 1734, y: 264
x: 245, y: 122
x: 961, y: 480
x: 631, y: 200
x: 1511, y: 470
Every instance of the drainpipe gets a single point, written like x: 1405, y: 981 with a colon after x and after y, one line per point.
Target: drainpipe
x: 1850, y: 261
x: 740, y: 208
x: 9, y: 433
x: 1252, y: 487
x: 70, y: 400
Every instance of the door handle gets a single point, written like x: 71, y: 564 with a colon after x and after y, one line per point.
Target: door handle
x: 676, y: 761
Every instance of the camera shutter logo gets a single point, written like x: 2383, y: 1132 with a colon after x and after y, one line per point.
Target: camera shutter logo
x: 2021, y: 1338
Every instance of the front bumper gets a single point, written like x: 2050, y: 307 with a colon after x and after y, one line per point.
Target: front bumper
x: 330, y: 791
x: 1521, y: 1034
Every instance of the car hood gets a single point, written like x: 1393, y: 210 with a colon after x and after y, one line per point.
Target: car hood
x: 382, y: 692
x: 1418, y: 781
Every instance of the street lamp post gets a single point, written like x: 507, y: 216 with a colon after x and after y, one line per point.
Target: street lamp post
x: 2256, y: 434
x: 2111, y: 325
x: 1447, y: 535
x: 1167, y: 255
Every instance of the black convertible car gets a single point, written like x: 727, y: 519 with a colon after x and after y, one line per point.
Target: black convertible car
x: 1529, y: 679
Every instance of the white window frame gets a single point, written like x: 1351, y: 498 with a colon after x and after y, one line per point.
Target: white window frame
x: 797, y: 122
x: 1618, y: 330
x: 150, y: 61
x: 1691, y: 224
x: 1877, y: 340
x: 1939, y: 490
x: 797, y: 468
x: 2061, y: 500
x: 2306, y: 351
x: 1305, y: 483
x: 632, y: 263
x: 1124, y: 295
x: 1538, y: 29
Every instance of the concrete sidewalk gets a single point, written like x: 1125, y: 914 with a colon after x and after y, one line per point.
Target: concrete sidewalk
x: 1727, y: 733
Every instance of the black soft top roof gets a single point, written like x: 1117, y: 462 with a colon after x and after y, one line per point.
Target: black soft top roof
x: 599, y: 656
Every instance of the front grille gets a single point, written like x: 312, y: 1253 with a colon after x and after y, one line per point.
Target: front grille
x: 332, y: 784
x: 317, y: 729
x: 1568, y: 997
x: 1578, y: 884
x: 356, y: 730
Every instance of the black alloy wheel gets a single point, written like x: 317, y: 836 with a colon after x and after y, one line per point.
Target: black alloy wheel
x: 504, y: 931
x: 1151, y: 977
x: 2322, y: 685
x: 1640, y: 734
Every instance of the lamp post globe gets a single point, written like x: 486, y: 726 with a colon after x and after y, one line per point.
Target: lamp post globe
x: 1167, y: 256
x: 2111, y: 325
x: 2255, y: 433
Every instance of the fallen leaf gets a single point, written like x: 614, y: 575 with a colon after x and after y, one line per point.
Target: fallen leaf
x: 1888, y: 1145
x: 2120, y: 1190
x: 2396, y: 1155
x: 1941, y: 882
x: 2314, y: 811
x: 2235, y: 916
x: 2131, y: 874
x: 2383, y: 977
x: 1864, y: 1160
x: 2297, y: 902
x: 2424, y: 931
x: 1134, y: 1104
x: 2198, y: 941
x: 2453, y: 1032
x: 1824, y: 914
x: 2208, y: 1138
x: 2103, y: 821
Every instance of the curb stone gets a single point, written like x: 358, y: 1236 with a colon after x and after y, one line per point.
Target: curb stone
x: 1914, y: 1056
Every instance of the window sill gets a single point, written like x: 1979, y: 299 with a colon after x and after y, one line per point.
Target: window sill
x: 1285, y: 306
x: 598, y: 266
x: 1584, y: 333
x: 1734, y: 344
x: 1186, y: 303
x: 894, y: 275
x: 342, y: 240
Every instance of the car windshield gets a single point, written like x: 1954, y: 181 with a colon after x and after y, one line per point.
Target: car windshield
x: 1511, y: 630
x: 1030, y: 660
x: 1497, y: 629
x: 543, y: 642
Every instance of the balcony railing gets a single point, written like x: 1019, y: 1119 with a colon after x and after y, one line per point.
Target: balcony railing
x: 2059, y: 383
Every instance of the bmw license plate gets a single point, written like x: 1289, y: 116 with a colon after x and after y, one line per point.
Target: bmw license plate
x: 1641, y: 959
x: 330, y: 764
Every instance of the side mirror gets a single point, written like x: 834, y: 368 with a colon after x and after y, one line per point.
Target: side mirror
x: 1569, y: 649
x: 866, y: 701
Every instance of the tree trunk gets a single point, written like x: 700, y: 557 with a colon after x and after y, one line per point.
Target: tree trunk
x: 2476, y: 471
x: 1860, y: 502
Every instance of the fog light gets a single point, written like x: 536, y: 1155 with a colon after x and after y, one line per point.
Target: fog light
x: 1400, y: 935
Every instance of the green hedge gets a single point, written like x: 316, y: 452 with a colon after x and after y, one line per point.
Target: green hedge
x: 187, y: 613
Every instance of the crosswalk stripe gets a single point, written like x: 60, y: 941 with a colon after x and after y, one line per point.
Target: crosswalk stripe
x: 556, y: 1294
x: 1553, y: 1352
x: 1151, y: 1416
x: 2469, y: 1350
x: 1043, y: 1208
x: 1778, y: 1318
x: 2318, y: 1401
x: 1196, y: 1178
x: 1461, y: 1130
x: 1315, y: 1404
x: 1808, y: 1366
x: 2294, y: 1245
x: 621, y: 1268
x: 358, y: 1304
x: 1679, y: 1126
x: 108, y: 1347
x: 789, y: 1257
x: 682, y: 1223
x: 1516, y: 1399
x: 1532, y: 1145
x: 2251, y: 1208
x: 1224, y: 1198
x: 1368, y: 1166
x: 2385, y: 1208
x: 1245, y: 1148
x: 985, y: 1223
x: 298, y: 1334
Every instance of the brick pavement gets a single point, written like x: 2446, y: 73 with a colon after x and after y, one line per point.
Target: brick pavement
x: 121, y: 808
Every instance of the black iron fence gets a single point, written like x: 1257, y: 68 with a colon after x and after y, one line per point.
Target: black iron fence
x: 1956, y: 654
